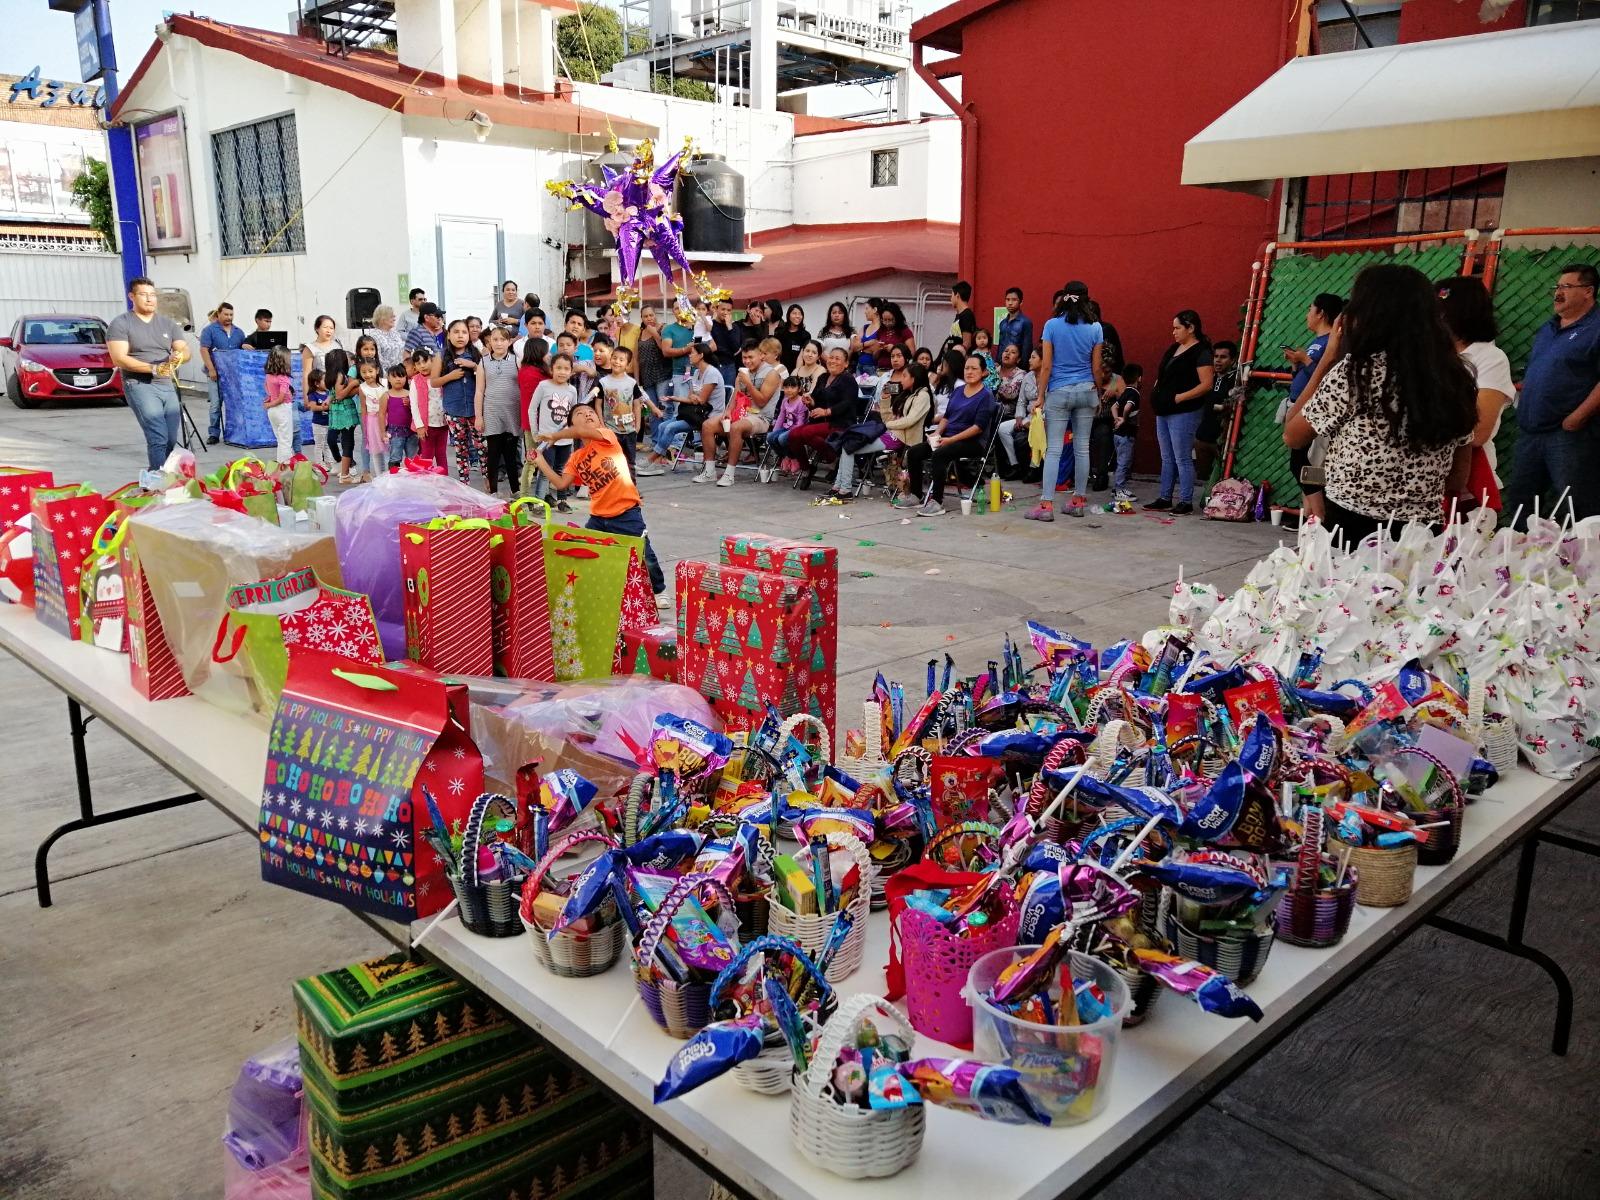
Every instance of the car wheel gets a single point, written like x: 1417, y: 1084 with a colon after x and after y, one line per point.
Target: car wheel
x: 14, y: 390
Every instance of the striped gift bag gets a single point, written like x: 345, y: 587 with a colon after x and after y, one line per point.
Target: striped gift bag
x: 447, y: 566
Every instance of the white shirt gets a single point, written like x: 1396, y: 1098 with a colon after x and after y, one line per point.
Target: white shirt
x: 1492, y: 369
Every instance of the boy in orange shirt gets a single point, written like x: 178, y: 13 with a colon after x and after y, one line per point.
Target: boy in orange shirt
x: 600, y: 465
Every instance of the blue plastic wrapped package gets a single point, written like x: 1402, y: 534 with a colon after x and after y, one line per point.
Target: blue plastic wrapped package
x: 266, y: 1151
x: 242, y: 384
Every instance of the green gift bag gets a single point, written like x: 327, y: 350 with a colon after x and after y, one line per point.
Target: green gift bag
x: 300, y: 482
x: 598, y: 588
x: 246, y: 485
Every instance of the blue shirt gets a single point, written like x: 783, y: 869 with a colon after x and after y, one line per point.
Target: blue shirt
x: 1302, y: 375
x: 1563, y: 368
x: 1016, y: 331
x: 460, y: 396
x: 215, y: 337
x: 1072, y: 351
x: 420, y: 337
x: 964, y: 411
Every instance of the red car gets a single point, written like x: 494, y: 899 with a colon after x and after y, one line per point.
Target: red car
x: 58, y: 356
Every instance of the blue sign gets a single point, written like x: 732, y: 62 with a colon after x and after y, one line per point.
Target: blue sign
x: 47, y: 93
x: 85, y: 24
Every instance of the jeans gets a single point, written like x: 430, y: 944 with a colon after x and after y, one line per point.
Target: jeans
x: 1072, y: 405
x: 214, y: 395
x: 1008, y: 445
x: 1125, y: 447
x: 1553, y: 462
x: 403, y: 444
x: 666, y: 430
x: 845, y: 480
x: 556, y: 455
x: 155, y: 406
x: 630, y: 447
x: 631, y: 522
x: 1176, y: 437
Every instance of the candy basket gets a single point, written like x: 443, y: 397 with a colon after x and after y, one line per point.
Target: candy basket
x: 1384, y: 876
x: 771, y: 1071
x: 573, y: 953
x: 1444, y: 841
x: 1239, y: 955
x: 937, y: 964
x: 871, y: 760
x: 852, y: 1142
x: 1312, y: 913
x: 811, y: 929
x: 682, y: 1009
x: 488, y: 909
x: 1067, y: 1069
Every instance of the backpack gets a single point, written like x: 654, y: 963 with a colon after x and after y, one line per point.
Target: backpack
x: 1230, y: 500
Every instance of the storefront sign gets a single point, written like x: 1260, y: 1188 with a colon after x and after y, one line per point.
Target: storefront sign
x: 48, y: 93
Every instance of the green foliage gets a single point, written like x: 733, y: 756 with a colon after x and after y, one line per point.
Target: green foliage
x: 592, y: 41
x: 684, y: 89
x: 92, y: 190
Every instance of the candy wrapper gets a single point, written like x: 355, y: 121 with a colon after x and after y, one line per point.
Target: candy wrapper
x: 1032, y: 972
x: 713, y: 1051
x: 1042, y: 906
x: 1213, y: 817
x: 1222, y: 881
x: 564, y: 794
x: 686, y: 748
x: 1210, y: 989
x: 671, y: 851
x: 992, y: 1092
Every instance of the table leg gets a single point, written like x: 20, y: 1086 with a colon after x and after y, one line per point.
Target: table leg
x: 88, y: 818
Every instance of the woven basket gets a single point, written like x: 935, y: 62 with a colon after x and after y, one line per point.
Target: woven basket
x: 487, y: 909
x: 1384, y: 876
x: 872, y: 760
x: 1143, y: 990
x: 1500, y: 744
x: 682, y: 1009
x: 1239, y: 955
x: 571, y: 953
x: 770, y: 1071
x: 1443, y: 842
x: 855, y: 1143
x: 792, y: 727
x: 811, y: 930
x: 946, y: 837
x: 1112, y: 740
x: 1318, y: 919
x: 937, y: 964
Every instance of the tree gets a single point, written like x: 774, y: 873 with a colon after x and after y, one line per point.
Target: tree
x: 590, y: 42
x: 684, y: 89
x: 453, y: 1127
x: 402, y: 1150
x: 415, y: 1040
x: 373, y: 1160
x: 91, y: 191
x: 502, y: 1111
x: 427, y: 1140
x: 388, y: 1051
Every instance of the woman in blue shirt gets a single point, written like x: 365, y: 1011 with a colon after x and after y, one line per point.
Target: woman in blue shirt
x: 964, y: 431
x: 455, y: 374
x: 1070, y: 373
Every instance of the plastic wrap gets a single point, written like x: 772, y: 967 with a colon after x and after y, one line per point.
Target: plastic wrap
x: 367, y: 531
x: 265, y: 1139
x: 191, y: 555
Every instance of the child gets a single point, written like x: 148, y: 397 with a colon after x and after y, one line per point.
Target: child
x: 621, y: 401
x: 614, y: 505
x: 547, y: 413
x: 530, y: 374
x: 317, y: 405
x: 497, y: 405
x: 792, y: 413
x: 1125, y: 428
x: 983, y: 347
x: 455, y: 374
x: 702, y: 321
x: 400, y: 419
x: 343, y: 416
x: 280, y: 402
x: 427, y: 409
x: 374, y: 412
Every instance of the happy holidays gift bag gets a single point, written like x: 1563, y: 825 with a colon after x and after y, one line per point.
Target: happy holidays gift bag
x: 267, y: 622
x: 65, y: 520
x: 521, y: 597
x: 598, y: 587
x: 17, y: 486
x: 448, y: 606
x: 351, y: 749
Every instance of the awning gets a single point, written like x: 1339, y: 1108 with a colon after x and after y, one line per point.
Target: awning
x: 1513, y: 96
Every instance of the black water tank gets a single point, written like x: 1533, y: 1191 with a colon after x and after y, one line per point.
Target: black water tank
x: 711, y: 200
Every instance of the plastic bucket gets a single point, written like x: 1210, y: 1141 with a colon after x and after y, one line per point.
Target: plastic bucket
x: 1067, y: 1069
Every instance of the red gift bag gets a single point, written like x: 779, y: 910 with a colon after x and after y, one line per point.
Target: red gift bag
x: 17, y: 485
x: 521, y: 613
x: 448, y: 606
x: 152, y: 666
x: 351, y: 749
x: 64, y: 523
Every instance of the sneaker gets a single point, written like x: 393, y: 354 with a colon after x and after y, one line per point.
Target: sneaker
x: 727, y: 478
x: 1122, y: 494
x: 903, y: 501
x: 1182, y: 509
x: 932, y: 508
x: 213, y: 440
x: 1159, y: 504
x: 1040, y: 512
x: 1077, y: 506
x: 650, y: 469
x: 563, y: 507
x: 663, y: 601
x: 708, y: 474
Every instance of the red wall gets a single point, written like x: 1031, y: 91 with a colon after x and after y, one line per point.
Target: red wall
x: 1083, y: 109
x: 1425, y: 20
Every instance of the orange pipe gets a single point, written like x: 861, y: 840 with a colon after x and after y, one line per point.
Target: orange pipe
x: 1252, y: 325
x: 1492, y: 265
x: 1372, y: 243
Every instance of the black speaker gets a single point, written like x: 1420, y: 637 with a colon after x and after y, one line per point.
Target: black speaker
x: 359, y: 305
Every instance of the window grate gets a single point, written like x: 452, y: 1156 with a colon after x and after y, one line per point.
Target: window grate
x: 885, y: 168
x: 258, y: 189
x: 1557, y: 12
x: 1381, y: 203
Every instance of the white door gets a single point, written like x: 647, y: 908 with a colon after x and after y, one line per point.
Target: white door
x: 469, y: 266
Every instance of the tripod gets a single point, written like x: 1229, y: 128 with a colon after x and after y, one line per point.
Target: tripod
x: 188, y: 429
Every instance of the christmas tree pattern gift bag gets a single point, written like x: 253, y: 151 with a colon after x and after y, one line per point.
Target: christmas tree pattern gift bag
x: 598, y: 588
x: 65, y: 520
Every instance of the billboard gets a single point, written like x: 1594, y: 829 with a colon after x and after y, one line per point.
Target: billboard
x: 38, y: 164
x: 163, y: 157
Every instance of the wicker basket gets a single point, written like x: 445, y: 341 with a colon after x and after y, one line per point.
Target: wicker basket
x: 852, y: 1142
x: 811, y: 930
x: 571, y: 953
x: 1444, y: 841
x: 487, y: 909
x: 1144, y: 992
x: 682, y: 1009
x: 946, y: 837
x: 770, y: 1071
x: 1500, y: 744
x: 1239, y: 955
x: 871, y: 760
x: 1318, y: 919
x: 792, y: 727
x: 1383, y: 876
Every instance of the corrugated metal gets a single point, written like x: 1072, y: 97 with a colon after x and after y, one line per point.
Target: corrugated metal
x: 35, y: 281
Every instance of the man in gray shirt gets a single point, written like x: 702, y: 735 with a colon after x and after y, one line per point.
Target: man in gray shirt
x: 148, y: 348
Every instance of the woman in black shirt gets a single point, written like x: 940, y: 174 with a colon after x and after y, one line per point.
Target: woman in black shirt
x: 1182, y: 390
x: 792, y: 333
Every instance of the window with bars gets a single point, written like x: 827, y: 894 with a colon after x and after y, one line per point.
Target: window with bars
x: 1555, y: 12
x: 258, y: 188
x: 885, y: 168
x: 1381, y: 203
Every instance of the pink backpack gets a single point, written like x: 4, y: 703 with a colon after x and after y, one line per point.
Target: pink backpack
x: 1230, y: 500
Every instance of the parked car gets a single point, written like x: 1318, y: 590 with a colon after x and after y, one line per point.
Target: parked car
x: 58, y: 356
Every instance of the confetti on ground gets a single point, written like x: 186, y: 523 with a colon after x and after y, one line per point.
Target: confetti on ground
x: 816, y: 537
x: 949, y: 637
x: 932, y: 571
x: 862, y: 575
x: 927, y: 529
x: 866, y: 543
x: 905, y: 520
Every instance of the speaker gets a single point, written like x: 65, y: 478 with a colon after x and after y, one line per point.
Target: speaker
x: 359, y: 305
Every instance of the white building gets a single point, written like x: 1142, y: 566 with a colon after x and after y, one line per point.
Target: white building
x: 311, y: 173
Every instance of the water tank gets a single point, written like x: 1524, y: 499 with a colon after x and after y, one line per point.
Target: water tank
x: 711, y: 200
x: 594, y: 228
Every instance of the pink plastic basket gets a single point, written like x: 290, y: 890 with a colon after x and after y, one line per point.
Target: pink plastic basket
x: 937, y: 964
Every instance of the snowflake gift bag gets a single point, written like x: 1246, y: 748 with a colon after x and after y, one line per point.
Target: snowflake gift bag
x: 17, y: 486
x: 351, y: 749
x: 65, y: 520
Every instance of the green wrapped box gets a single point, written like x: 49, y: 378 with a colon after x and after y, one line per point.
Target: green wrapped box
x: 419, y: 1087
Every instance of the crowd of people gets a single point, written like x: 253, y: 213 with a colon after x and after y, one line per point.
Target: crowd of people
x: 1391, y: 414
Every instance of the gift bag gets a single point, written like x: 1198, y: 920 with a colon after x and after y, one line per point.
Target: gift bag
x: 448, y: 606
x: 266, y: 623
x: 102, y: 593
x: 16, y: 562
x: 191, y: 555
x: 350, y: 751
x: 598, y: 587
x: 522, y: 648
x: 960, y: 786
x: 64, y: 523
x: 300, y: 482
x: 152, y: 666
x: 246, y: 485
x: 17, y: 485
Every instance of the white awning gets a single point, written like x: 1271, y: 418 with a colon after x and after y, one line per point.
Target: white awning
x: 1513, y: 96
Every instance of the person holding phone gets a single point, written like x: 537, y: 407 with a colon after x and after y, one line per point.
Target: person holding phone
x: 1320, y: 316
